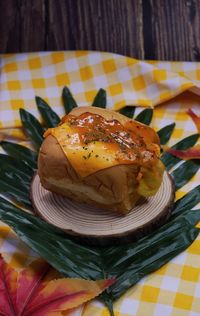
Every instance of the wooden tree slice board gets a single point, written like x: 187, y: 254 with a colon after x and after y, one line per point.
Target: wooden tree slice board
x: 97, y: 226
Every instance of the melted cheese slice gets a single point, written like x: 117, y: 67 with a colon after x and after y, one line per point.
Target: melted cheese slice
x: 91, y: 144
x: 85, y: 159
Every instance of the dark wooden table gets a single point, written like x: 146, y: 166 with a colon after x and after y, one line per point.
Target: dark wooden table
x: 146, y: 29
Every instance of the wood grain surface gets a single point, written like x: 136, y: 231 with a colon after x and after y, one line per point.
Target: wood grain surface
x: 95, y: 226
x: 145, y: 29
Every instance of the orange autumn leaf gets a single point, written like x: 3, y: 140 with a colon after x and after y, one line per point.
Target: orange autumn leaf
x: 195, y: 118
x: 34, y: 291
x: 191, y: 153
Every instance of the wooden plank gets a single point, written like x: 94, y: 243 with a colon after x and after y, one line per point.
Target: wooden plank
x: 150, y: 29
x: 9, y: 26
x: 171, y: 29
x: 114, y: 26
x: 32, y: 25
x: 22, y: 24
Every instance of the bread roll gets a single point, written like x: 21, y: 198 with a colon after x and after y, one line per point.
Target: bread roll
x: 102, y: 158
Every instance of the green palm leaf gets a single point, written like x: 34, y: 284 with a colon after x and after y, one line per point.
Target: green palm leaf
x: 32, y: 127
x: 185, y: 172
x: 51, y: 119
x: 15, y: 164
x: 15, y: 179
x: 145, y: 116
x: 100, y: 99
x: 128, y: 111
x: 165, y: 133
x: 68, y: 100
x: 18, y: 151
x: 17, y: 192
x: 188, y: 201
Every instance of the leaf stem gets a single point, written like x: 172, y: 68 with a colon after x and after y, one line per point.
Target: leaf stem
x: 109, y: 305
x: 12, y: 309
x: 33, y: 291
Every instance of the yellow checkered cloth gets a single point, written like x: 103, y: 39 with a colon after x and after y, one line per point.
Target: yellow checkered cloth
x: 173, y: 290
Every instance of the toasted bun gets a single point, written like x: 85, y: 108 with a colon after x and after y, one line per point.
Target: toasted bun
x: 113, y: 188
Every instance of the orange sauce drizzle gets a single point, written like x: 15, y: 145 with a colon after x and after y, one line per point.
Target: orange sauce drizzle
x: 92, y: 143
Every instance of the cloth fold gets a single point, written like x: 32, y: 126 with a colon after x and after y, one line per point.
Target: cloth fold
x: 127, y: 81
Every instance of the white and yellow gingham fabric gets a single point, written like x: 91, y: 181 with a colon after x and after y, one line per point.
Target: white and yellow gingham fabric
x: 173, y: 290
